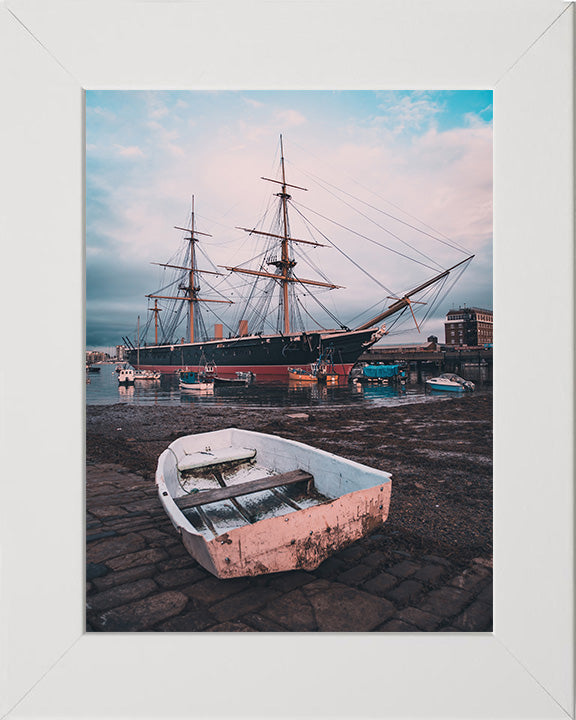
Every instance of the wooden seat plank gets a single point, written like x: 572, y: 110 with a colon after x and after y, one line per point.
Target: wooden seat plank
x: 204, y: 497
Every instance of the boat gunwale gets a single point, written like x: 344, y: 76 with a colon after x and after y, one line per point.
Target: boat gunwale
x: 181, y: 522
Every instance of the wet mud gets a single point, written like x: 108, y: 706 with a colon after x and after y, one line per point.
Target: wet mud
x: 439, y: 453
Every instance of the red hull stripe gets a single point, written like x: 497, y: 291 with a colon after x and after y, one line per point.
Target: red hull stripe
x: 342, y: 369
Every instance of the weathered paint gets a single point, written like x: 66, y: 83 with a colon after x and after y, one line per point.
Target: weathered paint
x: 356, y: 501
x: 299, y: 540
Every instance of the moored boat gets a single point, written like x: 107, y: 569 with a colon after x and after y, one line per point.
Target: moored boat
x: 247, y: 503
x: 381, y: 374
x: 126, y: 375
x: 449, y: 382
x: 146, y: 375
x: 241, y: 378
x: 191, y: 380
x: 302, y: 375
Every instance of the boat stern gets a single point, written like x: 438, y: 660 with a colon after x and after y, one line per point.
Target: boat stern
x: 298, y: 541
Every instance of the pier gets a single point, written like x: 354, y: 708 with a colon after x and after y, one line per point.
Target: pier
x: 474, y: 362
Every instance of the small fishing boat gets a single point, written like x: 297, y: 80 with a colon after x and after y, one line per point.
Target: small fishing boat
x: 449, y: 382
x: 191, y: 380
x: 315, y: 374
x: 321, y: 371
x: 126, y: 375
x: 146, y: 375
x: 242, y: 378
x: 302, y: 375
x: 93, y: 368
x: 247, y: 503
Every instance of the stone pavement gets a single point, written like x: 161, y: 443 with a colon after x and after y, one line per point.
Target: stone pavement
x: 140, y: 578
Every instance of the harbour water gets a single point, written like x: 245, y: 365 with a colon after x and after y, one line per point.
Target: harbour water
x: 103, y: 389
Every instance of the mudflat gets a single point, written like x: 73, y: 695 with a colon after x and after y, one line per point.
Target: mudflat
x: 439, y: 454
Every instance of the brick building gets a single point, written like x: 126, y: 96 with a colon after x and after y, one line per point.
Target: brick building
x: 469, y: 326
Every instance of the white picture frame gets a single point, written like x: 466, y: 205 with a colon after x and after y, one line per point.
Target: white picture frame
x: 51, y: 51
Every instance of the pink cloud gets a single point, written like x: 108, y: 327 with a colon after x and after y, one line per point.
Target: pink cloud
x: 129, y: 151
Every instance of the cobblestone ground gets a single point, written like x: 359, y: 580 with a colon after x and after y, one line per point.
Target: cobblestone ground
x: 140, y: 578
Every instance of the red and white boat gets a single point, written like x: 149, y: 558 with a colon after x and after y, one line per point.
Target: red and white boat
x: 246, y: 503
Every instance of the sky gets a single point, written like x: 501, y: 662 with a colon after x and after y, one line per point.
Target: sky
x: 398, y: 186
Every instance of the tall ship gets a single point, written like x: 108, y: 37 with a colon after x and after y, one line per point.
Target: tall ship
x: 269, y: 334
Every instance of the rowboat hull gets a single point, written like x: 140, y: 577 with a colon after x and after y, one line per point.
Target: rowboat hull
x: 349, y: 501
x: 195, y: 386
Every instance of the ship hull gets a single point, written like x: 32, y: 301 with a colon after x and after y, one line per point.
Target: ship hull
x: 268, y: 356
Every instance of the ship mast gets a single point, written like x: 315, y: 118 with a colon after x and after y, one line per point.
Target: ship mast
x: 191, y: 289
x: 155, y: 310
x: 285, y: 264
x: 138, y: 344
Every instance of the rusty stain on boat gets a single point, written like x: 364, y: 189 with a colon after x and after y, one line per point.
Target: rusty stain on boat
x: 257, y: 503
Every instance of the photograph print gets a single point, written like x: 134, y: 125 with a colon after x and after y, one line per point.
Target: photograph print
x: 289, y: 338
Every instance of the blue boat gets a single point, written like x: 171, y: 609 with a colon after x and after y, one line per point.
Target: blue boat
x: 191, y: 380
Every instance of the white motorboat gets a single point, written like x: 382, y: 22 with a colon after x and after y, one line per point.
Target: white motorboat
x: 451, y: 383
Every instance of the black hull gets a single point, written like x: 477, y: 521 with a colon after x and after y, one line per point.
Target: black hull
x: 265, y: 355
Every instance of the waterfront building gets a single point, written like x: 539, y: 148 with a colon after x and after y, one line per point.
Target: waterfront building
x: 120, y: 353
x: 95, y: 356
x: 469, y: 326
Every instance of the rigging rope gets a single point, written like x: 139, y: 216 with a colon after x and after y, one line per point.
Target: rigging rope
x: 342, y: 252
x: 385, y: 229
x: 373, y: 192
x: 354, y: 232
x: 450, y: 243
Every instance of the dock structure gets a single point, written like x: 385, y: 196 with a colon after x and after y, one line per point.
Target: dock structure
x: 445, y: 358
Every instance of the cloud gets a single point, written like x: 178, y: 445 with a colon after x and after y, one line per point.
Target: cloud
x: 130, y: 151
x: 156, y: 107
x: 254, y: 103
x: 101, y: 112
x: 289, y: 118
x: 401, y: 113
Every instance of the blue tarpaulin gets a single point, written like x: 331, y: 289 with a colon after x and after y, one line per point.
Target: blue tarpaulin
x: 381, y: 371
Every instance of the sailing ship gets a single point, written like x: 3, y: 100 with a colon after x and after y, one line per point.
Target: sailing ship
x: 269, y: 355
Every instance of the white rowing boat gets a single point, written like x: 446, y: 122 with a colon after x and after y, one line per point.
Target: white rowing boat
x: 246, y: 503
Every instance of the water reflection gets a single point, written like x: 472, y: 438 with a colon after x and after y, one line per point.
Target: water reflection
x: 104, y: 390
x: 126, y: 391
x: 381, y: 392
